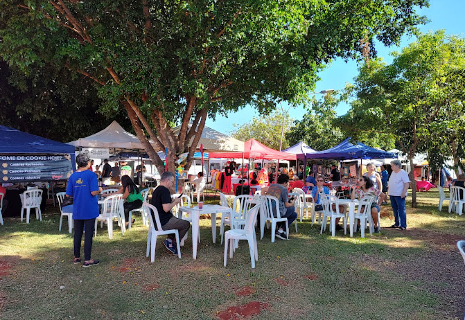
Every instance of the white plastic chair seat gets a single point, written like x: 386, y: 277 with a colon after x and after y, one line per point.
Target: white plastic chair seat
x: 328, y: 212
x: 442, y: 197
x: 248, y: 233
x: 112, y: 209
x: 270, y: 206
x: 68, y: 215
x: 236, y: 217
x: 154, y: 233
x: 31, y: 199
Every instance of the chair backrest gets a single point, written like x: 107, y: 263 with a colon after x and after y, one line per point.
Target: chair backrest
x: 442, y: 194
x: 152, y: 212
x: 185, y: 201
x: 457, y: 192
x: 1, y: 201
x: 145, y: 193
x: 32, y: 198
x: 113, y: 205
x: 270, y: 206
x: 298, y: 200
x: 109, y: 191
x: 250, y: 219
x: 223, y: 200
x: 364, y: 205
x: 60, y: 197
x: 325, y: 200
x: 461, y: 246
x: 241, y: 204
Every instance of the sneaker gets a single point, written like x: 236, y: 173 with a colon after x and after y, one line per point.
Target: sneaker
x: 281, y: 235
x: 77, y: 260
x: 376, y: 230
x: 339, y: 227
x: 402, y: 228
x: 90, y: 263
x: 170, y: 246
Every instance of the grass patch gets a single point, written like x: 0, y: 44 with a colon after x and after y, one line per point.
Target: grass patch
x: 416, y: 274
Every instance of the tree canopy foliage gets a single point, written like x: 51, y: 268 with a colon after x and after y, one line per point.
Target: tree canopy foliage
x: 177, y: 61
x: 417, y: 99
x: 266, y: 129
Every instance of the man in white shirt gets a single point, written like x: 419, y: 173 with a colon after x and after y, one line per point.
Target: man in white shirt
x: 397, y: 191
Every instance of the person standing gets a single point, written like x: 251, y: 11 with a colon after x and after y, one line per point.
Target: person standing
x: 116, y: 173
x: 373, y: 176
x: 106, y: 171
x: 384, y: 180
x: 161, y: 199
x: 397, y: 190
x: 335, y: 173
x: 83, y: 187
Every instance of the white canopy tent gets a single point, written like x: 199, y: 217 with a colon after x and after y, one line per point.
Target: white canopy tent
x: 113, y: 136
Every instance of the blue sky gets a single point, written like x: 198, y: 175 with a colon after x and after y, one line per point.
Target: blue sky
x: 443, y: 14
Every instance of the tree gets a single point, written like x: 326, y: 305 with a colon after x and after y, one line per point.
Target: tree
x: 317, y: 127
x: 410, y: 98
x: 266, y: 129
x: 38, y: 105
x: 178, y: 61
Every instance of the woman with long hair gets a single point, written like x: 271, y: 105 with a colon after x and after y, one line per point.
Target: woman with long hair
x: 367, y: 189
x: 132, y: 196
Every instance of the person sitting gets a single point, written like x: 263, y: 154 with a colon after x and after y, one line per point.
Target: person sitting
x: 161, y: 199
x: 298, y: 183
x: 321, y: 189
x: 132, y: 196
x: 367, y: 189
x: 286, y: 206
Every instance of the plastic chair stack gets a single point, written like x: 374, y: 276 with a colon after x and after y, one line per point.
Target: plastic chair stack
x: 153, y: 232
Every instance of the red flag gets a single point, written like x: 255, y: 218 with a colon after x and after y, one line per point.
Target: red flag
x: 166, y: 159
x: 201, y: 153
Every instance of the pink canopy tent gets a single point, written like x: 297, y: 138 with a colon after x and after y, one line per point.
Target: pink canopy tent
x: 255, y: 150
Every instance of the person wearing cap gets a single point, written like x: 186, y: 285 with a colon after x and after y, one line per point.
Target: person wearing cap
x: 397, y: 190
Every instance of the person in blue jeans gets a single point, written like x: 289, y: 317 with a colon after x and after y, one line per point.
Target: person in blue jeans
x: 397, y: 190
x: 286, y: 207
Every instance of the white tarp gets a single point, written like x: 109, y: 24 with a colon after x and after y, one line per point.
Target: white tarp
x: 113, y: 136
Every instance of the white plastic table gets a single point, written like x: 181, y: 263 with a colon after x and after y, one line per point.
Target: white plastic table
x: 195, y: 213
x: 351, y: 204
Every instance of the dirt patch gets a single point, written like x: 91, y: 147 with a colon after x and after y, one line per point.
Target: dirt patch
x: 280, y: 281
x: 243, y: 312
x: 245, y: 291
x: 311, y: 276
x: 5, y: 268
x: 151, y: 287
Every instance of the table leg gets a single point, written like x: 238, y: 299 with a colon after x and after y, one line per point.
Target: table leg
x: 213, y: 217
x: 351, y: 218
x: 195, y: 233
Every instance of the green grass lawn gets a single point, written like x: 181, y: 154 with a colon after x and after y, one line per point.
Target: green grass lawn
x: 413, y: 274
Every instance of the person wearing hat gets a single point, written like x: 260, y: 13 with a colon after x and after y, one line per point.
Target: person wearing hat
x: 397, y: 191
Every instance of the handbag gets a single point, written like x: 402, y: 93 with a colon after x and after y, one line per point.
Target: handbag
x: 67, y: 201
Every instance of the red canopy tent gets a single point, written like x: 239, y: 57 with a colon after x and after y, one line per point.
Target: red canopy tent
x: 255, y: 150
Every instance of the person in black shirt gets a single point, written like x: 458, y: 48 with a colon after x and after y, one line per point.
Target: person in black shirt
x: 106, y: 169
x: 161, y: 199
x: 335, y: 174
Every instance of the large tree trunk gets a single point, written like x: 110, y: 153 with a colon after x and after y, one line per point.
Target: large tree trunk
x: 413, y: 184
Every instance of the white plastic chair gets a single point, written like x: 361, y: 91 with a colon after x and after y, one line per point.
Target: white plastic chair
x: 225, y: 217
x: 328, y: 212
x: 241, y: 205
x: 199, y: 190
x: 442, y: 197
x: 109, y: 191
x: 69, y: 215
x: 112, y: 209
x: 155, y: 232
x: 461, y: 246
x: 457, y: 199
x: 270, y: 208
x: 297, y: 204
x: 364, y: 215
x: 248, y: 233
x: 31, y: 199
x: 145, y: 194
x: 314, y: 211
x: 1, y: 207
x: 305, y: 200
